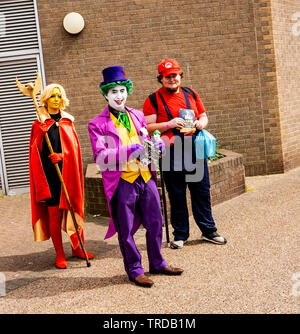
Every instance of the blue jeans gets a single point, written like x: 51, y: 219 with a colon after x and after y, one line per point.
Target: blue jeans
x: 200, y: 199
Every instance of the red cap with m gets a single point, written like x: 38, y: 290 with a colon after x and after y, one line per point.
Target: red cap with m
x: 168, y: 66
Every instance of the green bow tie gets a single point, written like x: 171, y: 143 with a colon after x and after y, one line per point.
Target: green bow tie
x: 123, y: 119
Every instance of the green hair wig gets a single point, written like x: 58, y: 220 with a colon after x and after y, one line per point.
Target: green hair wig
x: 106, y: 87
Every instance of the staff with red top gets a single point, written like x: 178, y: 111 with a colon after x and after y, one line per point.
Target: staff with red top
x: 161, y: 110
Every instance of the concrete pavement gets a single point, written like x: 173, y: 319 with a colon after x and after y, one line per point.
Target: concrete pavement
x: 257, y: 271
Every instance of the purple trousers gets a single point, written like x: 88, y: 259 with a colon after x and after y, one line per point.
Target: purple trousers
x: 143, y: 198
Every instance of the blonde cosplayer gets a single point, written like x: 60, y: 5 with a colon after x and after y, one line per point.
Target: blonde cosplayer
x: 47, y: 93
x: 49, y: 155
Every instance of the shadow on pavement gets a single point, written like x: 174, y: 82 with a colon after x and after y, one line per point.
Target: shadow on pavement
x: 58, y: 285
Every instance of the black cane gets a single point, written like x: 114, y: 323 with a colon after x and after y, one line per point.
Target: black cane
x: 164, y: 200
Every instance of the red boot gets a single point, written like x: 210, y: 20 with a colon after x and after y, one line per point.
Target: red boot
x: 55, y: 216
x: 78, y: 252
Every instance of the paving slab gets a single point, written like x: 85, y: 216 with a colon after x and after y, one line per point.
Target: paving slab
x: 257, y: 271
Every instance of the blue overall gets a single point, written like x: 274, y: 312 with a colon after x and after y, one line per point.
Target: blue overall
x: 176, y: 183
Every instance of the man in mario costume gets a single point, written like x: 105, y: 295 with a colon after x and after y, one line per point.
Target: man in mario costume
x: 162, y: 112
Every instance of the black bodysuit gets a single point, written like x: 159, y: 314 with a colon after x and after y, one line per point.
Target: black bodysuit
x: 49, y: 168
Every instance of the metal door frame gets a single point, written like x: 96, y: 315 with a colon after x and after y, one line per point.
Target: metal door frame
x: 3, y: 189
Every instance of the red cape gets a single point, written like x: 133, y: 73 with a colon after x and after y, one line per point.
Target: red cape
x: 72, y: 176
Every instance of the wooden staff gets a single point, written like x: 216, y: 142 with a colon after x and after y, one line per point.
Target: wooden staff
x: 32, y: 90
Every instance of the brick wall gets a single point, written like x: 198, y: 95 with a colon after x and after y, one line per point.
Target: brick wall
x: 95, y: 199
x: 286, y: 32
x: 269, y: 110
x: 225, y: 49
x: 227, y: 177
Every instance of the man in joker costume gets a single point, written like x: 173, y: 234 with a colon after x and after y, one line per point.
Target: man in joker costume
x: 130, y: 188
x: 49, y: 206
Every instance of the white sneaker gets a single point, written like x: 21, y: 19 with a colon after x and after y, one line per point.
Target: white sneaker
x: 176, y: 244
x: 214, y: 238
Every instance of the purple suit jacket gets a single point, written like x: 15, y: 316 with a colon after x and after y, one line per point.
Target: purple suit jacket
x: 100, y: 128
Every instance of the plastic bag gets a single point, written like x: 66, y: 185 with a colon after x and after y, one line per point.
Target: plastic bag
x: 205, y: 145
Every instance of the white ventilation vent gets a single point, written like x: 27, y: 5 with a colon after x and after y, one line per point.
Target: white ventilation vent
x: 18, y: 26
x: 17, y: 113
x: 20, y: 56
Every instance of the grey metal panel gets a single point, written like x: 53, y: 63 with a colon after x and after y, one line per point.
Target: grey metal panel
x: 21, y: 56
x: 16, y: 123
x: 18, y: 26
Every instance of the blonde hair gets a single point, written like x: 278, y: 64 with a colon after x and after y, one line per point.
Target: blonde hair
x: 47, y: 92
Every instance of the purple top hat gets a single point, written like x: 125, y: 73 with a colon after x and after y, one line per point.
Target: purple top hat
x: 112, y: 74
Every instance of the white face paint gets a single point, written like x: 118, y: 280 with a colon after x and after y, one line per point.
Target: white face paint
x: 117, y: 97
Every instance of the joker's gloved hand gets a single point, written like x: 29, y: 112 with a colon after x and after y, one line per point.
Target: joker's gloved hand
x: 134, y: 150
x: 56, y: 157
